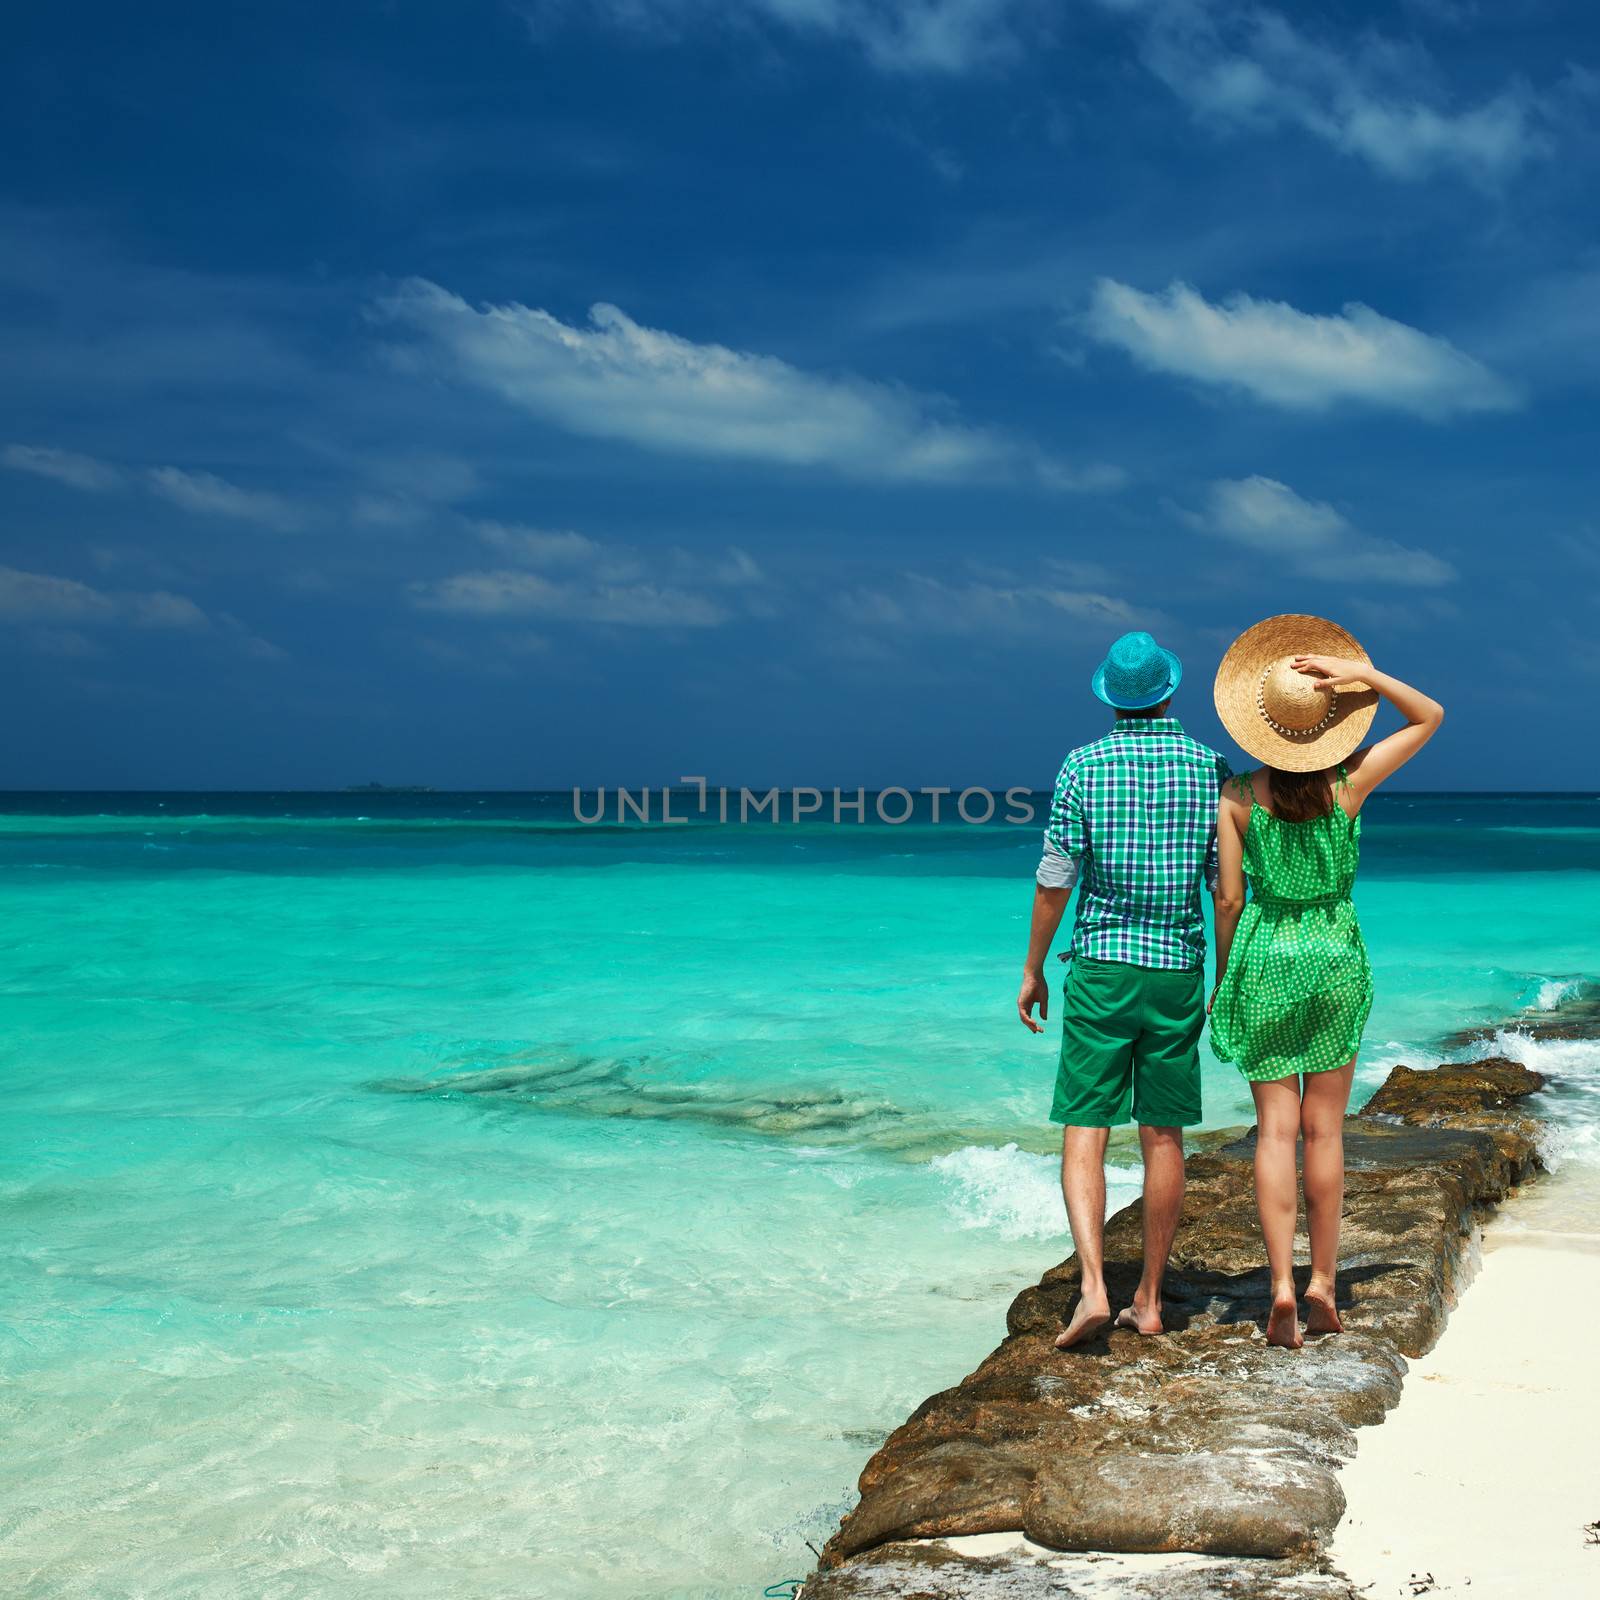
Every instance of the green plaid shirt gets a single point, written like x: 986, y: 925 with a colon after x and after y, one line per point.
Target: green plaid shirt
x: 1134, y: 824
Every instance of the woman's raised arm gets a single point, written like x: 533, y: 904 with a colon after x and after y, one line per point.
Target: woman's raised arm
x: 1369, y: 767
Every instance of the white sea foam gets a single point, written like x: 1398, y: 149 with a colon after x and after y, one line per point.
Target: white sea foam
x: 1552, y: 992
x: 1012, y: 1191
x: 1571, y: 1105
x: 1376, y: 1062
x: 1572, y: 1132
x: 1575, y: 1061
x: 1015, y: 1193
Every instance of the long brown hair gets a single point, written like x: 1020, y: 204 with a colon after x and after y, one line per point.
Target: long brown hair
x: 1301, y: 796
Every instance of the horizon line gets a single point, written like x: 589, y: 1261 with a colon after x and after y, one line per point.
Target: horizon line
x: 419, y: 791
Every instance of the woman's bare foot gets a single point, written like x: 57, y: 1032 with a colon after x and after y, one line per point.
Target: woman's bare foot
x: 1089, y: 1318
x: 1322, y: 1314
x: 1283, y: 1322
x: 1142, y: 1317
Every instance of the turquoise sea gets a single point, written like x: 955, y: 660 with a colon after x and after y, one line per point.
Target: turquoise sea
x: 428, y: 1196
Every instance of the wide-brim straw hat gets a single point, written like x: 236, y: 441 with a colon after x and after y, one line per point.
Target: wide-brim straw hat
x: 1279, y: 715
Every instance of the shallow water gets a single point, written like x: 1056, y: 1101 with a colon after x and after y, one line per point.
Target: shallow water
x: 422, y: 1196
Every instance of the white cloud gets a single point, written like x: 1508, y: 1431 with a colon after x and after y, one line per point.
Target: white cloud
x: 1234, y: 63
x: 908, y: 36
x: 1295, y: 359
x: 406, y: 490
x: 159, y: 609
x: 208, y: 495
x: 565, y: 576
x: 1310, y: 536
x: 201, y: 492
x: 65, y: 466
x: 424, y: 475
x: 1410, y: 615
x: 617, y: 379
x: 43, y: 604
x: 993, y: 607
x: 248, y: 643
x: 615, y: 562
x: 40, y: 597
x: 541, y: 546
x: 67, y: 643
x: 1371, y: 97
x: 513, y: 593
x: 388, y: 511
x: 735, y: 568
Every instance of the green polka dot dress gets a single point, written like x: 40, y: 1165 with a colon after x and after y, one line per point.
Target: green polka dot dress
x: 1298, y: 987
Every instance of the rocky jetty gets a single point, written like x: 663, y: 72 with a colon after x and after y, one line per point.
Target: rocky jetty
x: 1209, y: 1440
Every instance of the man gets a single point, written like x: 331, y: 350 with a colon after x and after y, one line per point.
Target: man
x: 1133, y: 827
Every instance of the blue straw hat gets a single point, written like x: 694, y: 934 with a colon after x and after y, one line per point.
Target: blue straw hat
x: 1137, y: 673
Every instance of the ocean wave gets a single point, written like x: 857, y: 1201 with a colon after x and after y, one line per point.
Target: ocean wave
x: 1015, y: 1193
x: 1572, y: 1129
x: 1551, y: 1006
x: 1552, y: 993
x: 1556, y: 1032
x: 1576, y: 1062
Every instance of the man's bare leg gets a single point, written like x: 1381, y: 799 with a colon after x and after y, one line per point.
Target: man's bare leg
x: 1163, y: 1204
x: 1278, y: 1199
x: 1322, y: 1109
x: 1083, y: 1183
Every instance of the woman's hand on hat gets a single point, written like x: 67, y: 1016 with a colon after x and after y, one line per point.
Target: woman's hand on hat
x: 1332, y: 672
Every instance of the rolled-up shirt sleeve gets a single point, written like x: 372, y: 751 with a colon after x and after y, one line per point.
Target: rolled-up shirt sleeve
x: 1056, y: 871
x: 1066, y: 839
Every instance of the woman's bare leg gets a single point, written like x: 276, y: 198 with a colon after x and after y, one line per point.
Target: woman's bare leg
x: 1322, y: 1109
x: 1278, y: 1199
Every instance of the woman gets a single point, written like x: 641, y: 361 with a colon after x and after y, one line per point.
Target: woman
x: 1294, y: 984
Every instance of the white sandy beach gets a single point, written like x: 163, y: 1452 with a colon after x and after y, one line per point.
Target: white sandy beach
x: 1487, y: 1474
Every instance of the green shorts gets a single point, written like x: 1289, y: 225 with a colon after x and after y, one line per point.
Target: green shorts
x: 1130, y: 1037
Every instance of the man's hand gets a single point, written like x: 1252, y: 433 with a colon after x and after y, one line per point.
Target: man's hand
x: 1035, y: 992
x: 1048, y: 904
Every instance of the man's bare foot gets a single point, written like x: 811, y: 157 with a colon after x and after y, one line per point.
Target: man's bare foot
x: 1322, y: 1315
x: 1141, y: 1319
x: 1089, y: 1318
x: 1283, y: 1323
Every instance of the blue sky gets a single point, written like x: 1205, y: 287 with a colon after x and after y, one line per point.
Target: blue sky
x: 801, y: 391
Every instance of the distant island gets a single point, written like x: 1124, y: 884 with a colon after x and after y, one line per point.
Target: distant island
x: 388, y: 788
